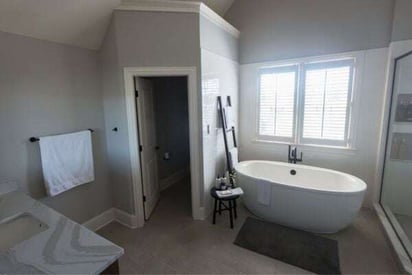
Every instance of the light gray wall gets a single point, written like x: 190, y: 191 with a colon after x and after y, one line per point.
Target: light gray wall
x: 281, y: 29
x: 402, y: 22
x: 157, y: 38
x: 45, y: 89
x: 172, y: 124
x: 114, y: 113
x: 140, y: 39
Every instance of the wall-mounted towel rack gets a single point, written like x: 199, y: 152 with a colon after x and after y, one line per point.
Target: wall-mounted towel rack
x: 36, y: 139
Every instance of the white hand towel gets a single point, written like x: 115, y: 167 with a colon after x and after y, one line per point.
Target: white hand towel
x: 67, y: 161
x: 264, y: 192
x: 234, y: 157
x: 229, y: 117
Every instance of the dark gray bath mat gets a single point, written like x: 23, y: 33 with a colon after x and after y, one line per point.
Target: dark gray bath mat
x: 299, y: 248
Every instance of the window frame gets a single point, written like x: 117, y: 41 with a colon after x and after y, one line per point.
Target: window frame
x: 279, y: 69
x: 302, y: 66
x: 326, y: 65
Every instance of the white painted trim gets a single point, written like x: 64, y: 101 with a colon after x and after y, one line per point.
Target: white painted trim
x: 401, y: 255
x: 195, y: 130
x: 125, y: 218
x: 111, y: 215
x: 179, y: 6
x: 202, y: 213
x: 174, y: 178
x: 160, y: 6
x: 100, y: 220
x: 215, y: 18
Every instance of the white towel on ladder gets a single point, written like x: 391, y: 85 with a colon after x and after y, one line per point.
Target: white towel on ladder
x: 264, y: 192
x: 234, y: 157
x: 67, y: 161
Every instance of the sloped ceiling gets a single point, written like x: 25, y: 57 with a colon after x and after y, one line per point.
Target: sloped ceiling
x: 81, y: 23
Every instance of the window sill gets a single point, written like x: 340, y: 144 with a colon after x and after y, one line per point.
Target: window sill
x: 311, y: 147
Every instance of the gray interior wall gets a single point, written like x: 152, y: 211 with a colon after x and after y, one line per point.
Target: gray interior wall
x: 140, y: 39
x: 157, y: 38
x: 114, y: 113
x: 281, y: 29
x: 46, y: 89
x: 402, y: 21
x: 172, y: 124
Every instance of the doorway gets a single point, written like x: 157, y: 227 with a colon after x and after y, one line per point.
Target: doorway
x: 163, y: 127
x: 195, y: 135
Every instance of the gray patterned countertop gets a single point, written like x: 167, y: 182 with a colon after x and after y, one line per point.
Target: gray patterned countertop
x: 65, y: 247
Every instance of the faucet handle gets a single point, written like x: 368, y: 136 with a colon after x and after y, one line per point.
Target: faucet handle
x: 289, y: 153
x: 294, y: 151
x: 301, y: 157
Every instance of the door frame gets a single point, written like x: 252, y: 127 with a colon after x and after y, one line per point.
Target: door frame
x: 195, y: 130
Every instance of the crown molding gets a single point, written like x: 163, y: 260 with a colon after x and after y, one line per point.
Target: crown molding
x: 160, y: 6
x: 179, y: 6
x: 212, y: 16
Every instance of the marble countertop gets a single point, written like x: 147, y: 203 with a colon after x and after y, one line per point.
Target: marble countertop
x: 65, y: 247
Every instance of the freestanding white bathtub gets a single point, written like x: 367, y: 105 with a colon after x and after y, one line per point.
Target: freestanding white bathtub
x: 303, y: 197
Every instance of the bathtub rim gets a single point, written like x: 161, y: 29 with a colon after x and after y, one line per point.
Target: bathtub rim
x: 305, y: 189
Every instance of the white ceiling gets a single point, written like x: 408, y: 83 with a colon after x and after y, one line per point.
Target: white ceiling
x: 81, y: 23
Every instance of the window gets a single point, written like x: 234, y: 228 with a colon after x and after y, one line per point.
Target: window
x: 277, y: 102
x: 307, y: 103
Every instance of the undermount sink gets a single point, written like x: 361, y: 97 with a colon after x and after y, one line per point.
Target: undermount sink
x: 19, y: 228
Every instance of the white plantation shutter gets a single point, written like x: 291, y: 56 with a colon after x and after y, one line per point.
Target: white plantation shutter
x: 326, y: 95
x: 277, y: 102
x: 307, y: 103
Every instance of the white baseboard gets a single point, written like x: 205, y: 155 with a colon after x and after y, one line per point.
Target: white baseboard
x: 111, y: 215
x: 125, y: 218
x: 199, y: 214
x: 101, y: 220
x: 174, y: 178
x: 401, y: 254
